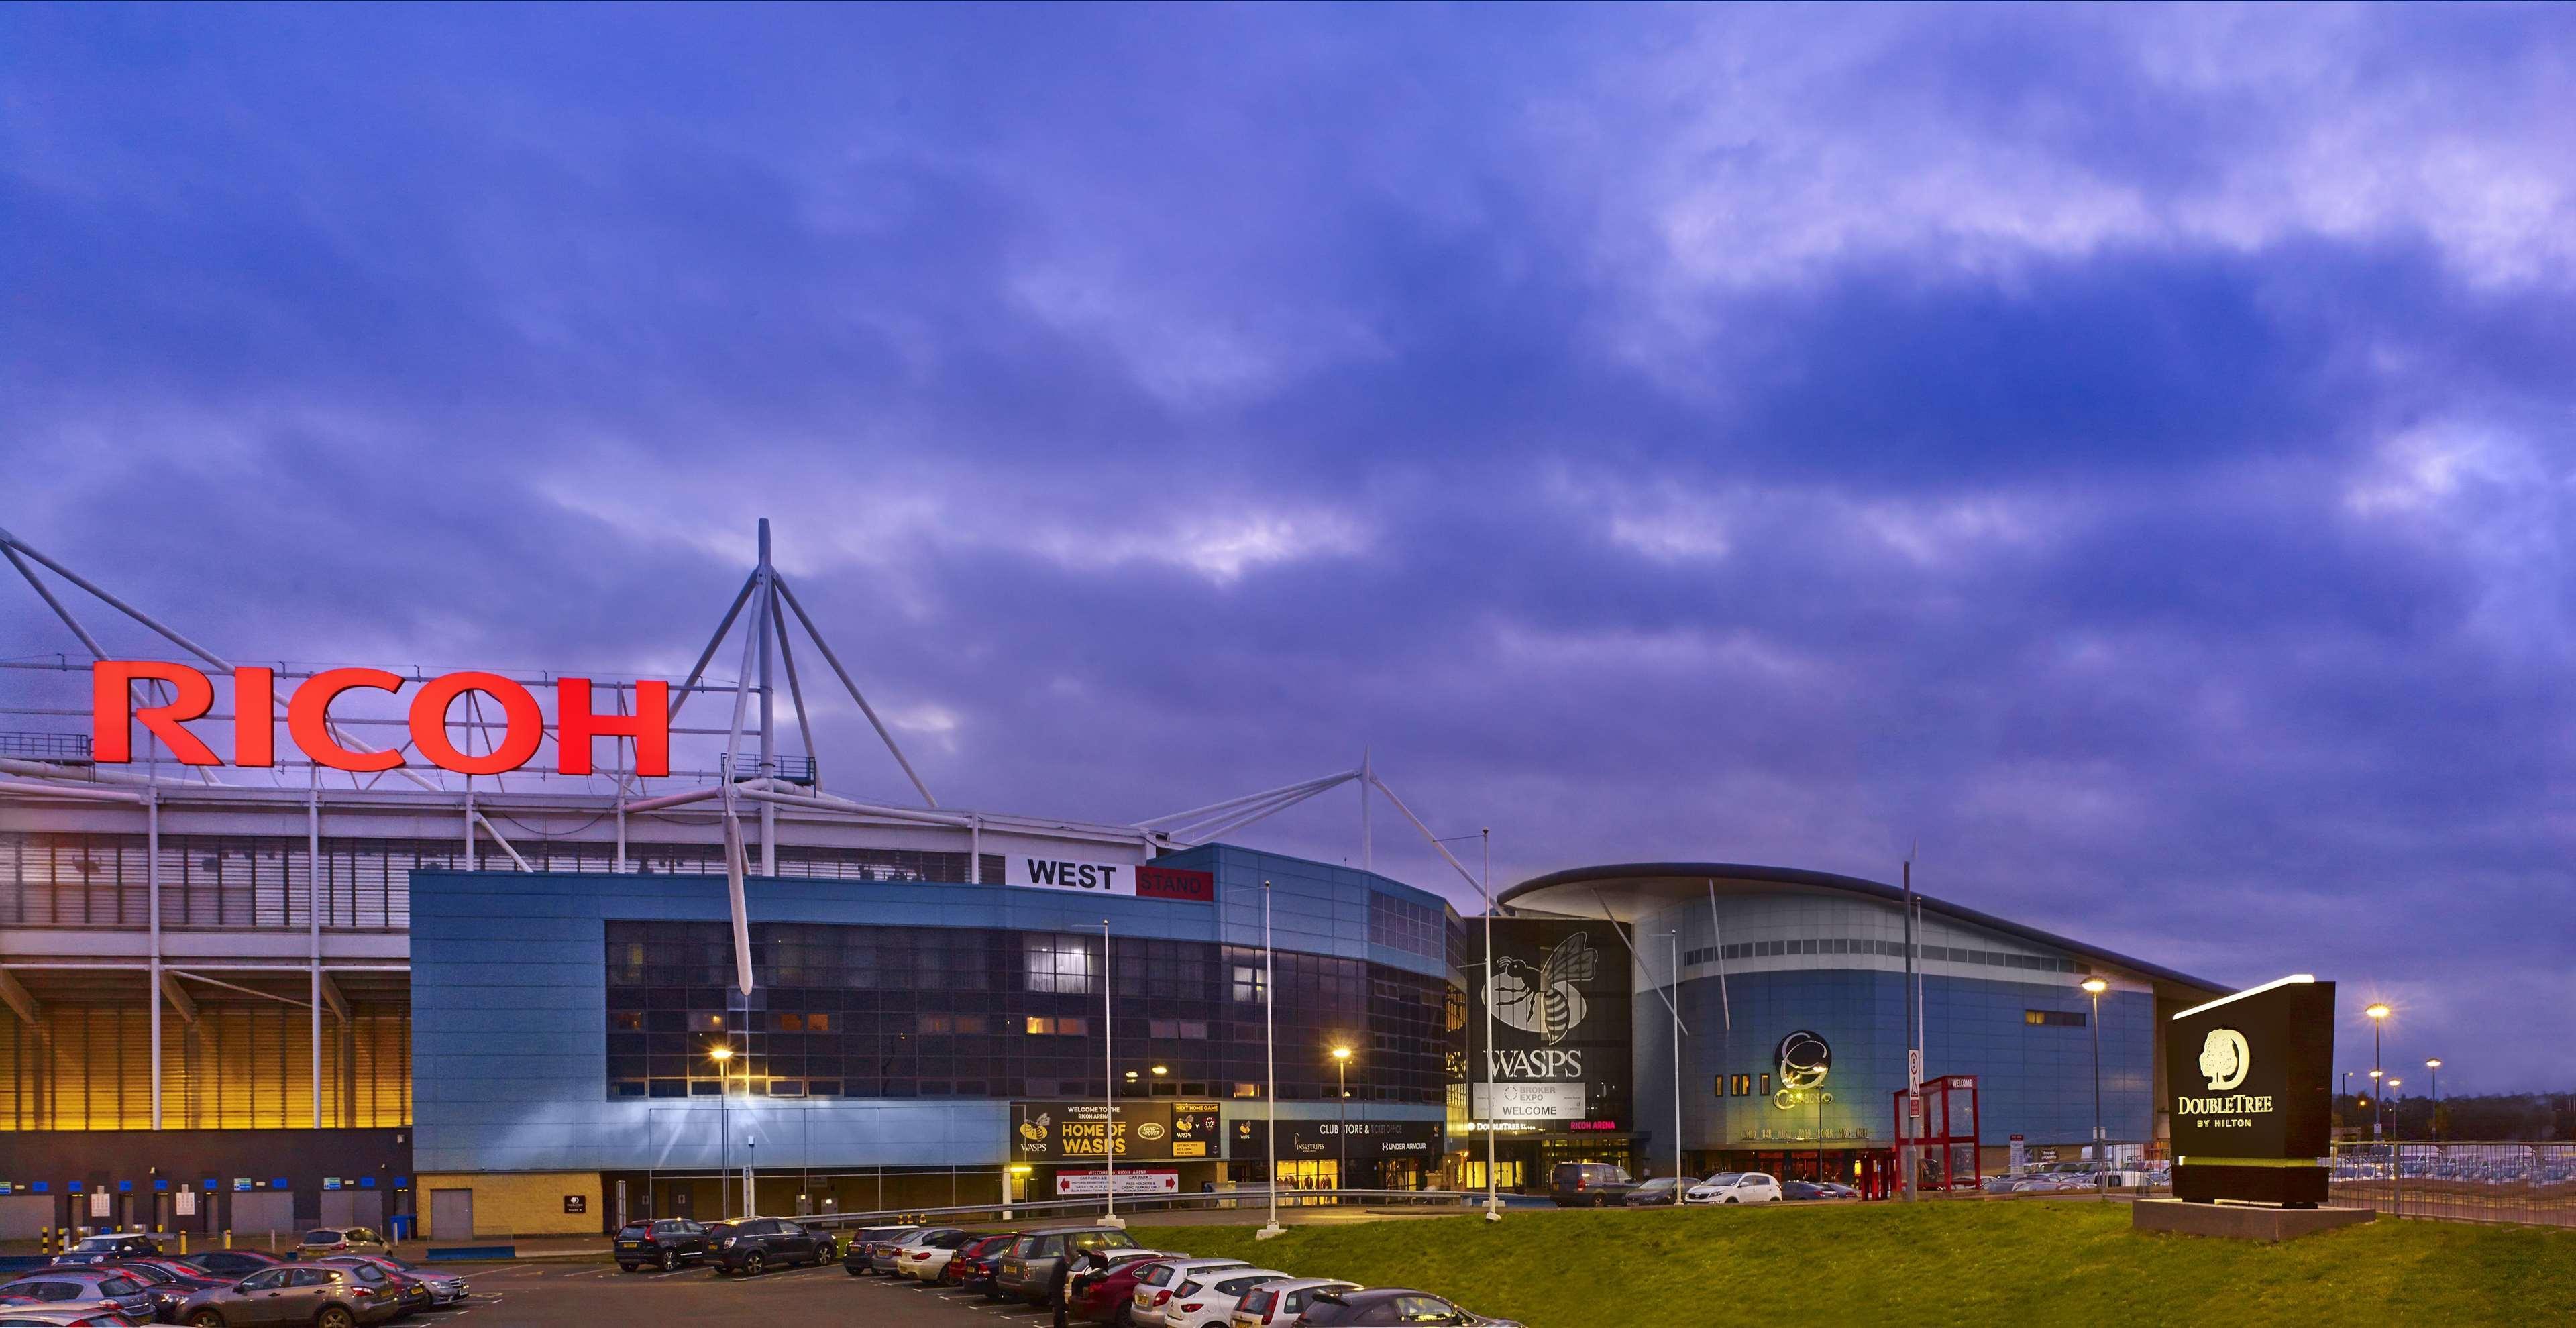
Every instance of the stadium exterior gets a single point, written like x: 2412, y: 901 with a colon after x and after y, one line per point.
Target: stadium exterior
x: 256, y: 997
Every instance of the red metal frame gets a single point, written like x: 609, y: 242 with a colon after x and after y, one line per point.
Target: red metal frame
x: 1948, y: 1160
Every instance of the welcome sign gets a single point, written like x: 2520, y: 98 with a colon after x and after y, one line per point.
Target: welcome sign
x: 2250, y: 1092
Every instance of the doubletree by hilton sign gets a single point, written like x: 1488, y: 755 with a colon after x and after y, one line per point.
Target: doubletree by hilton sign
x: 2251, y: 1083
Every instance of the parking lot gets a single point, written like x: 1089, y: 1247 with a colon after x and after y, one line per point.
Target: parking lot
x: 528, y: 1295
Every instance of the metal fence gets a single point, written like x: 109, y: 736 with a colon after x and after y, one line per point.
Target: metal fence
x: 2532, y: 1184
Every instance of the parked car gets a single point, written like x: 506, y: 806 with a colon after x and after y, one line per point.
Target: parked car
x: 88, y: 1287
x: 100, y: 1249
x: 17, y: 1313
x: 1208, y: 1300
x: 169, y: 1284
x: 1588, y: 1184
x: 1834, y: 1189
x: 230, y: 1265
x: 971, y: 1267
x: 1101, y: 1287
x: 759, y: 1243
x: 1332, y: 1309
x: 866, y: 1243
x: 1735, y: 1187
x: 1658, y: 1192
x: 1280, y: 1304
x: 1036, y: 1268
x: 421, y: 1288
x: 341, y: 1240
x: 298, y: 1294
x: 927, y: 1251
x: 664, y: 1242
x: 1157, y: 1279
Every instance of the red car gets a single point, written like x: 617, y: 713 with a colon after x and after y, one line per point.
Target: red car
x: 1104, y: 1295
x: 971, y: 1266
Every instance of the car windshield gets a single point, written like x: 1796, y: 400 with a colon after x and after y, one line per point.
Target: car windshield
x: 635, y: 1229
x: 97, y: 1243
x: 1726, y: 1178
x: 1658, y: 1183
x: 321, y: 1237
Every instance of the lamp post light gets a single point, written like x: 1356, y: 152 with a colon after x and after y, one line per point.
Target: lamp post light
x: 1342, y: 1135
x: 2434, y: 1067
x: 2094, y: 987
x: 1269, y: 1071
x: 2378, y: 1012
x: 1108, y: 1089
x: 720, y: 1054
x: 1493, y: 1201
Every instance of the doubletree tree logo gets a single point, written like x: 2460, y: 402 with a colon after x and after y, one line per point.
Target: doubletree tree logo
x: 2224, y: 1059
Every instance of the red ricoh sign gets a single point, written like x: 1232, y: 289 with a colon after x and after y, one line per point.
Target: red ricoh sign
x: 114, y: 714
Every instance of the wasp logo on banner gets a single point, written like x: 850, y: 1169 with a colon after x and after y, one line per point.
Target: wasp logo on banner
x: 1546, y: 999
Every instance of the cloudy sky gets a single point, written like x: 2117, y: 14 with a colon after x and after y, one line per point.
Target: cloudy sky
x: 2126, y: 451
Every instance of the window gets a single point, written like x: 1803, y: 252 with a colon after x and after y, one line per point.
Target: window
x: 1247, y: 1090
x: 1764, y: 1085
x: 2053, y: 1018
x: 1062, y: 965
x: 706, y: 1022
x: 626, y: 1021
x: 1056, y: 1025
x: 788, y: 1023
x: 1738, y: 1086
x: 1248, y: 983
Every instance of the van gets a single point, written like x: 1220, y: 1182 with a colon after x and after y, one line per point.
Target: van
x: 1588, y: 1184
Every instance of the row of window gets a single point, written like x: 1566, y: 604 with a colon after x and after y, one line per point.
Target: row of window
x: 1865, y: 945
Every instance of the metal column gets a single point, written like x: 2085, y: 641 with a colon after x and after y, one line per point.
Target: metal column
x: 152, y: 852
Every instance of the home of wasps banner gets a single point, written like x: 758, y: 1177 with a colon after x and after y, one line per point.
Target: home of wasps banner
x: 1562, y: 996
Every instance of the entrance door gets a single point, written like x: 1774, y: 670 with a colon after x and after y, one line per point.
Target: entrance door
x: 451, y: 1214
x: 263, y: 1211
x: 340, y: 1208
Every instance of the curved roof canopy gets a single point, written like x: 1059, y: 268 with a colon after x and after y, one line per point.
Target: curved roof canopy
x: 1629, y: 890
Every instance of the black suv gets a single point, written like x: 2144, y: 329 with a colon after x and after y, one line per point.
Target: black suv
x: 1588, y: 1185
x: 757, y: 1243
x: 665, y: 1243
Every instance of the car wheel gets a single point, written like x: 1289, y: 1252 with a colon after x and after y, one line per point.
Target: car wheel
x: 206, y: 1319
x: 668, y: 1261
x: 1732, y: 1199
x: 626, y: 1267
x: 753, y: 1262
x: 332, y: 1316
x: 1601, y: 1201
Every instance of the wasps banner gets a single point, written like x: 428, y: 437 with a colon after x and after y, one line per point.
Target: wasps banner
x: 1148, y: 1131
x: 1561, y: 992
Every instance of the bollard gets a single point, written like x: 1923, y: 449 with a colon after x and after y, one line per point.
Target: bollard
x: 183, y: 1242
x: 228, y: 1237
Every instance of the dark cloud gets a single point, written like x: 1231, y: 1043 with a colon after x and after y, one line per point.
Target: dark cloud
x: 2123, y: 451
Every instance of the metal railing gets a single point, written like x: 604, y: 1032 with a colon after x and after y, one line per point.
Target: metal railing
x: 2530, y: 1184
x: 67, y: 747
x: 1065, y: 1211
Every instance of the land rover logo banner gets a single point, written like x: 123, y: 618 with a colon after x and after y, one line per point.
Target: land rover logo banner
x: 1145, y: 1131
x: 2250, y: 1093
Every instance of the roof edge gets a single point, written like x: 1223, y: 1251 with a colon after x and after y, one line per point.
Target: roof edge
x: 1745, y: 871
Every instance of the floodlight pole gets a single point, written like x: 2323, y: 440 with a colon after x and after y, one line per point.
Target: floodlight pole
x: 1493, y: 1194
x: 1676, y: 936
x: 1270, y: 1068
x: 1905, y: 1125
x: 1108, y: 1086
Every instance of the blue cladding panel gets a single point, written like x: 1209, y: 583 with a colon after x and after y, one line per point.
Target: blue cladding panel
x: 509, y: 1005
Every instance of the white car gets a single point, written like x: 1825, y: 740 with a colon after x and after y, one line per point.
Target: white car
x: 922, y: 1260
x: 1208, y: 1299
x: 1155, y: 1285
x: 1735, y: 1187
x: 1279, y: 1304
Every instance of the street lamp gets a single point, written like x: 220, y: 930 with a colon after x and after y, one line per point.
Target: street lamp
x: 2378, y: 1013
x: 1342, y: 1136
x: 720, y: 1054
x: 2094, y: 987
x: 2434, y: 1066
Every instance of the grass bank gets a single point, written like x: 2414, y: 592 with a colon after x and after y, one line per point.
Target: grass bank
x: 2027, y: 1261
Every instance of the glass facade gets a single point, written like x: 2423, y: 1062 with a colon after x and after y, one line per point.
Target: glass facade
x: 947, y: 1012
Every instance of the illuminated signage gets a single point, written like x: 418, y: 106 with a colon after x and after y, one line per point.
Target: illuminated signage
x: 2250, y: 1096
x: 1149, y: 1131
x: 522, y: 723
x: 1530, y: 1102
x: 1803, y: 1060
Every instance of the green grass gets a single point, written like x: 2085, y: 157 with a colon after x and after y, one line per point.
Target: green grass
x: 2022, y: 1261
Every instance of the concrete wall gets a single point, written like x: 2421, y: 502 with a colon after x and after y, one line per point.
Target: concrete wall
x: 523, y: 1204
